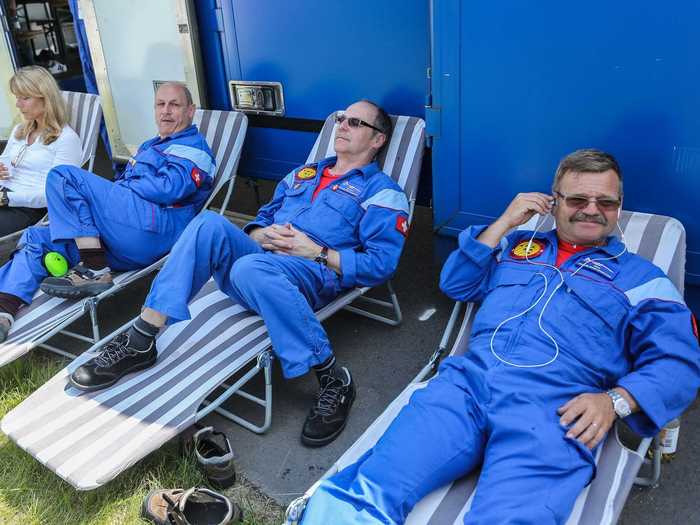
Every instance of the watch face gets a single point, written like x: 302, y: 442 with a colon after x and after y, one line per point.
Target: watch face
x: 622, y: 408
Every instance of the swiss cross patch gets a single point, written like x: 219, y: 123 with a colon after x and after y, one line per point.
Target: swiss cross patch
x: 196, y: 175
x: 402, y: 225
x: 694, y: 322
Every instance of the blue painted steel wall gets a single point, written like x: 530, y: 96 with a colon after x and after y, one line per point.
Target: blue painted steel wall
x: 326, y: 55
x: 521, y: 84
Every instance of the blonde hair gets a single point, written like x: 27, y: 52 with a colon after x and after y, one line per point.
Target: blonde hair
x: 35, y: 81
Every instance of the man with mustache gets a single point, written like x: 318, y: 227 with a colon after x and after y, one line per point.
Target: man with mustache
x: 572, y: 333
x: 330, y: 226
x: 100, y: 226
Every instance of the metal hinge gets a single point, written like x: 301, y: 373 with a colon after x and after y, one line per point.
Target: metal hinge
x: 432, y: 114
x: 432, y: 124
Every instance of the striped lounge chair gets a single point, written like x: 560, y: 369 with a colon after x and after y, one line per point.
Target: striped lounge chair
x: 47, y: 316
x: 89, y: 438
x: 655, y: 237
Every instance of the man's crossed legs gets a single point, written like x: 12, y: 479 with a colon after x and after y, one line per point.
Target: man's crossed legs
x: 284, y: 290
x: 97, y: 226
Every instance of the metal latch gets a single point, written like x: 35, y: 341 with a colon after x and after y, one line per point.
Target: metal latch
x: 261, y: 98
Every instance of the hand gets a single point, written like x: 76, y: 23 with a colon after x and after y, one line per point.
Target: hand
x: 264, y: 236
x: 291, y: 241
x: 524, y: 206
x: 287, y: 240
x: 4, y: 172
x: 594, y: 415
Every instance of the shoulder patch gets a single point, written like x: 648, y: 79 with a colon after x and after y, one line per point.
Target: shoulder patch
x: 306, y: 173
x: 196, y: 175
x: 402, y: 225
x: 527, y: 249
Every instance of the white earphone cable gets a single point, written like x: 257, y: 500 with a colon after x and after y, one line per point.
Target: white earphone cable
x: 546, y: 283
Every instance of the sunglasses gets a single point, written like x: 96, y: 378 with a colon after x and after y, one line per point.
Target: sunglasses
x: 355, y: 122
x: 580, y: 202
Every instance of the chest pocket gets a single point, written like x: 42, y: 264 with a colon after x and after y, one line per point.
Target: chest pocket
x: 595, y: 313
x: 511, y: 275
x: 150, y: 156
x: 344, y: 210
x: 600, y: 299
x: 511, y: 289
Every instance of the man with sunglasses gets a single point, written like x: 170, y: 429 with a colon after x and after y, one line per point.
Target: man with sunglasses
x: 573, y: 332
x: 330, y: 226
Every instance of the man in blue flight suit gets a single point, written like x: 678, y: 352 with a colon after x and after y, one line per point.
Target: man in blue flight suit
x: 573, y: 332
x: 100, y: 226
x: 330, y: 226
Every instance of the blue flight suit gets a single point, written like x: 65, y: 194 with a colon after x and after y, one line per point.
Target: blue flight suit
x: 138, y: 217
x: 617, y: 322
x: 362, y: 215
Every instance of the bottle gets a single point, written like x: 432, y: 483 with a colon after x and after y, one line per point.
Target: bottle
x: 668, y: 439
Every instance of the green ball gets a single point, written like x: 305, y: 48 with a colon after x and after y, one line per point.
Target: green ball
x: 56, y: 264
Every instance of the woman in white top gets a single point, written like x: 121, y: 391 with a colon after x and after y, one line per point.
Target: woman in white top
x: 41, y: 141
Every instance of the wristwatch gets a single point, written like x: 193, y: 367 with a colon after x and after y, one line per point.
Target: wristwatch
x: 322, y: 257
x: 4, y: 199
x: 620, y: 404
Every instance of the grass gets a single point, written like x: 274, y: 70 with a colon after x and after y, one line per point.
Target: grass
x: 31, y: 494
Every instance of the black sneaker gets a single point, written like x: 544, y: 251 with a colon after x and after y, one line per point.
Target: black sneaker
x: 116, y: 360
x: 80, y: 281
x: 327, y: 418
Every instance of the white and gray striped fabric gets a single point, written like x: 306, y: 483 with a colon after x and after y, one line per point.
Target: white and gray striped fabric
x: 84, y: 116
x: 658, y: 238
x: 34, y: 324
x: 89, y: 438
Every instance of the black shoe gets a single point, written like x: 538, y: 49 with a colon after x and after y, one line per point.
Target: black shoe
x: 80, y: 281
x: 117, y: 358
x: 327, y: 418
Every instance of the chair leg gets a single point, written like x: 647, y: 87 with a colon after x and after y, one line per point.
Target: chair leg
x: 264, y: 364
x: 295, y: 510
x: 655, y: 461
x: 89, y: 306
x: 392, y: 304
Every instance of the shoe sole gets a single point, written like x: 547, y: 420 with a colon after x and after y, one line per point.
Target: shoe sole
x: 94, y: 388
x: 72, y: 292
x: 320, y: 442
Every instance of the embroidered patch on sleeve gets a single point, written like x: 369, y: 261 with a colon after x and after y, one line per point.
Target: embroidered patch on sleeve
x: 402, y: 225
x: 196, y: 175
